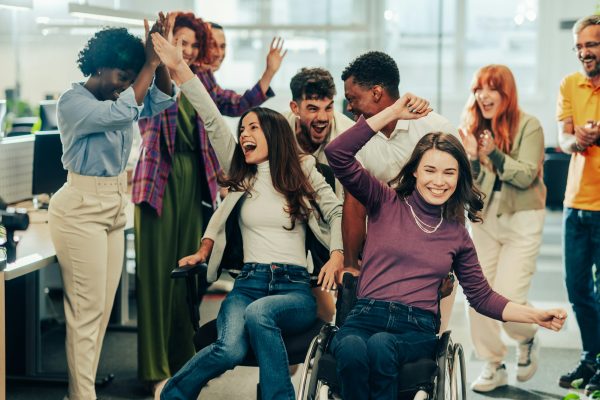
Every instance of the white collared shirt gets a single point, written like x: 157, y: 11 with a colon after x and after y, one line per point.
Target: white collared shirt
x: 384, y: 157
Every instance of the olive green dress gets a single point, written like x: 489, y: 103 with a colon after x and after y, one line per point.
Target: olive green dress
x: 164, y: 329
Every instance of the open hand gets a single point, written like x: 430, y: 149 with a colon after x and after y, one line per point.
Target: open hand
x: 170, y: 55
x: 469, y: 143
x: 329, y: 271
x: 151, y: 56
x: 200, y: 256
x: 275, y: 55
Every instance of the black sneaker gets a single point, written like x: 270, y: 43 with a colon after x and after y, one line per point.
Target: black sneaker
x: 583, y: 371
x: 594, y: 384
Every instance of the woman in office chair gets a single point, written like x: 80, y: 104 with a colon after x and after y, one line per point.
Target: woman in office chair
x: 416, y: 236
x: 86, y: 216
x: 274, y: 194
x: 506, y: 149
x: 175, y: 182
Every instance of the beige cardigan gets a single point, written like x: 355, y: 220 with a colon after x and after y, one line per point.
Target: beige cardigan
x: 521, y: 171
x: 327, y: 230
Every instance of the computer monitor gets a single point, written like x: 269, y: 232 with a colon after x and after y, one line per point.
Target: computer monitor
x: 48, y: 115
x: 2, y: 115
x: 48, y: 172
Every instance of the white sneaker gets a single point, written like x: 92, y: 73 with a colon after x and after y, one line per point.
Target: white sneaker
x: 527, y: 358
x: 493, y: 376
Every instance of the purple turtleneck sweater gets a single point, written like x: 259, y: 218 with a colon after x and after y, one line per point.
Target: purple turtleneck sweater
x: 402, y: 263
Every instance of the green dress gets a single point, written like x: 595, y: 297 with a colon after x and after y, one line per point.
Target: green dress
x: 164, y: 329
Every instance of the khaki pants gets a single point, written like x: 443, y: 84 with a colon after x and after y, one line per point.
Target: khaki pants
x: 507, y: 247
x: 86, y: 220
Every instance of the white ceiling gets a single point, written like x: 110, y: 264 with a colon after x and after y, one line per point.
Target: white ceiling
x: 58, y: 22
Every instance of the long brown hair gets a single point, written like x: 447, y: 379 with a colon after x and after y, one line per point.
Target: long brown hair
x: 284, y: 163
x: 465, y: 197
x: 505, y: 123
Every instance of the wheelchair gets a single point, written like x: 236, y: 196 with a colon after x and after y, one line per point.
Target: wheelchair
x: 440, y: 378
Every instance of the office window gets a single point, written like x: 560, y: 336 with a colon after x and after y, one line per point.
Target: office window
x: 503, y: 32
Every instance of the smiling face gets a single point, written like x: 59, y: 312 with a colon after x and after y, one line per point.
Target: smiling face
x: 436, y: 176
x: 219, y: 48
x: 488, y: 100
x: 316, y: 117
x: 189, y: 44
x: 588, y: 51
x: 252, y: 140
x: 360, y: 99
x: 113, y: 81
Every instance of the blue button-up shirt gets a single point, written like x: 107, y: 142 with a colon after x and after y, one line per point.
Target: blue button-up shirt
x: 97, y: 135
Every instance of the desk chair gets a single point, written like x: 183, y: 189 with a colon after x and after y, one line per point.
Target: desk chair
x: 204, y: 335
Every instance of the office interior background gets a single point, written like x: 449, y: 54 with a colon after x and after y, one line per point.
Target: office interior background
x: 438, y: 45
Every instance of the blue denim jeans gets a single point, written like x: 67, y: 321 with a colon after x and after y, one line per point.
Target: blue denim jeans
x: 581, y: 251
x: 376, y: 339
x: 266, y: 301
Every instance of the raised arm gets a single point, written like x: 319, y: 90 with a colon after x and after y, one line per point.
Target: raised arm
x: 218, y: 132
x: 274, y: 58
x: 342, y: 150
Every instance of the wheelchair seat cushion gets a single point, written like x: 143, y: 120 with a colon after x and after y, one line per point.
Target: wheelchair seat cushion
x: 411, y: 375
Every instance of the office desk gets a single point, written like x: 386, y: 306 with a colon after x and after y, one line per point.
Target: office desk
x: 35, y: 251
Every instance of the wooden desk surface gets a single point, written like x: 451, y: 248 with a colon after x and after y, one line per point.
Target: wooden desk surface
x: 35, y: 249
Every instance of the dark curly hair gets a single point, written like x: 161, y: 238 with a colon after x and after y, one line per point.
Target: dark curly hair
x: 112, y: 48
x: 374, y: 68
x: 466, y: 197
x: 203, y: 36
x: 312, y: 83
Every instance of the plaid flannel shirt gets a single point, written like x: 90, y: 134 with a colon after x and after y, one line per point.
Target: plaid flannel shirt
x: 158, y: 142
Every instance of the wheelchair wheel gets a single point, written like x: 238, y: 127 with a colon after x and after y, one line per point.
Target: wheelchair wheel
x: 451, y: 380
x: 306, y: 368
x: 460, y: 381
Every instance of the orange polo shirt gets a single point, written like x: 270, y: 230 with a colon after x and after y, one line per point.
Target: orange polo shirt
x: 581, y: 101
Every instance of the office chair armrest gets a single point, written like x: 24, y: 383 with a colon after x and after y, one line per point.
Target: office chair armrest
x: 189, y: 270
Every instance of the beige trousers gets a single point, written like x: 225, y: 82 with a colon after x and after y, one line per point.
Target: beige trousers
x: 507, y: 247
x: 86, y: 220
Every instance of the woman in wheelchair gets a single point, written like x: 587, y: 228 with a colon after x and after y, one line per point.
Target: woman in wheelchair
x: 416, y: 236
x: 275, y: 197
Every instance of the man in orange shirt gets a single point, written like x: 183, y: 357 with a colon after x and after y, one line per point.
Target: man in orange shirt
x: 578, y: 114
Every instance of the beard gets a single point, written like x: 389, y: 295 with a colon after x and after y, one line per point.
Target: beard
x: 305, y: 141
x: 593, y: 72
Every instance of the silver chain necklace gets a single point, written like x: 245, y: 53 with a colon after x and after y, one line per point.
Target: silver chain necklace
x: 421, y: 224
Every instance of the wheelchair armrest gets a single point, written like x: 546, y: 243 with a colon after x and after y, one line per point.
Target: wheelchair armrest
x: 189, y: 270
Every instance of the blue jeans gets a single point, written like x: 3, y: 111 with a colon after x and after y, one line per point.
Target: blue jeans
x: 376, y: 339
x: 266, y: 301
x: 581, y: 250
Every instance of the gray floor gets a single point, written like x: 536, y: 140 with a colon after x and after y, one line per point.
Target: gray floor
x: 559, y: 350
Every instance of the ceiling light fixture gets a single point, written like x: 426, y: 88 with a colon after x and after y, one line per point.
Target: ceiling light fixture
x: 109, y: 14
x: 17, y: 4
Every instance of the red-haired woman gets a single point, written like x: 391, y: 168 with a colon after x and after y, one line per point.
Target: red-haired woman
x: 175, y: 184
x: 506, y: 148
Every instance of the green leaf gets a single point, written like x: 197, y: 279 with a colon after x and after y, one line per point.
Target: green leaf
x: 572, y: 396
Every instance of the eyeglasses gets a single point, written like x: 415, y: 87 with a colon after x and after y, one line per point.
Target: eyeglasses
x: 586, y: 45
